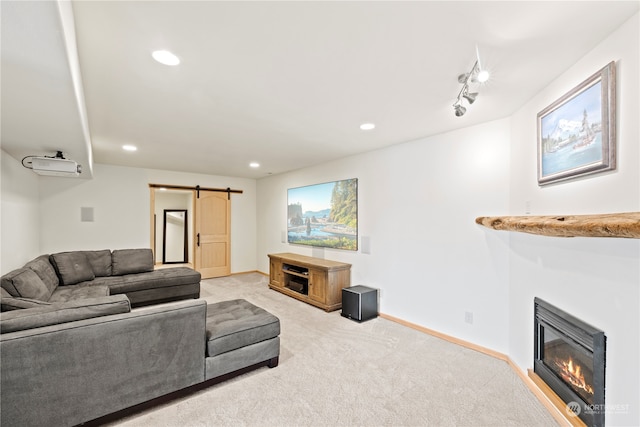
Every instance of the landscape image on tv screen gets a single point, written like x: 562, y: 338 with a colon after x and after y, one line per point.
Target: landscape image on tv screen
x: 324, y: 215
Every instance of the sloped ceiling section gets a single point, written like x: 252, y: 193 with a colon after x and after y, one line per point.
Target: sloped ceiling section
x: 282, y: 83
x: 41, y: 100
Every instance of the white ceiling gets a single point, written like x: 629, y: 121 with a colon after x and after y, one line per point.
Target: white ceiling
x: 285, y: 84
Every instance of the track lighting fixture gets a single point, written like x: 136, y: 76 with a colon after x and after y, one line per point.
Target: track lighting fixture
x: 476, y: 75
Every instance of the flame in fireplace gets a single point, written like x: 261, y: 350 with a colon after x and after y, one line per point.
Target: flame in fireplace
x: 572, y: 373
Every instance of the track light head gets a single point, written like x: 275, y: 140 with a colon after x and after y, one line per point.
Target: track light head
x: 459, y: 110
x: 470, y: 97
x: 476, y: 75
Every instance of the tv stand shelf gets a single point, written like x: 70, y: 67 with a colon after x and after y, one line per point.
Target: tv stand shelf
x: 316, y: 281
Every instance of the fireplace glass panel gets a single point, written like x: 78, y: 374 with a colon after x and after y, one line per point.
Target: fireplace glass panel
x: 572, y: 364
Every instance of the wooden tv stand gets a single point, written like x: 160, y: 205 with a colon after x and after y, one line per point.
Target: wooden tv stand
x: 316, y: 281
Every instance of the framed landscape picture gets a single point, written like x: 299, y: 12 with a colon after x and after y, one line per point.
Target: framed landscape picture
x: 576, y: 134
x: 324, y: 215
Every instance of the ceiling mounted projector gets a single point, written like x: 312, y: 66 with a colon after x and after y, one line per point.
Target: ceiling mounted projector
x: 53, y: 166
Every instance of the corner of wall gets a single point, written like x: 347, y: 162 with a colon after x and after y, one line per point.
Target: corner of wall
x: 19, y: 215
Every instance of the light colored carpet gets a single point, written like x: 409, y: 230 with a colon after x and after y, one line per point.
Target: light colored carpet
x: 337, y: 372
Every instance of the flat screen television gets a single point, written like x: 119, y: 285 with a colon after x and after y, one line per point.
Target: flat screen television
x: 324, y: 215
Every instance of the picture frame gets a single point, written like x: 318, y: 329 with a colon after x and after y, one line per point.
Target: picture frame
x: 577, y: 133
x: 324, y: 215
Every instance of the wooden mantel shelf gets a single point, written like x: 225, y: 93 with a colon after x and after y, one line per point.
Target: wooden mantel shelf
x: 625, y: 225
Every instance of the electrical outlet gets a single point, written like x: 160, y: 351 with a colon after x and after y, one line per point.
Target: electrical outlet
x: 468, y: 317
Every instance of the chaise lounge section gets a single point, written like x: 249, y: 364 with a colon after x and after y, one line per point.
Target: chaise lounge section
x: 69, y: 363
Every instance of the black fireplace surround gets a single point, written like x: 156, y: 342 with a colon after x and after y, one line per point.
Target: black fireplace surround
x: 569, y: 355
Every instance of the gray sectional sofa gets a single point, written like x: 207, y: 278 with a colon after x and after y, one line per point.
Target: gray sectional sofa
x: 80, y: 355
x: 68, y: 276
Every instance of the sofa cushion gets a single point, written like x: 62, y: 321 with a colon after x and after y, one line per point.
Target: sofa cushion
x: 164, y: 277
x: 129, y: 261
x: 78, y: 292
x: 72, y: 267
x: 238, y: 323
x: 100, y: 262
x: 25, y: 283
x: 62, y: 313
x: 45, y: 271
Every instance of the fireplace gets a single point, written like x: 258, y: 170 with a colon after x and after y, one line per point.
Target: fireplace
x: 569, y: 356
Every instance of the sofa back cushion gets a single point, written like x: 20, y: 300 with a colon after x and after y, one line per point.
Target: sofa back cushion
x: 54, y: 314
x: 129, y: 261
x: 100, y: 262
x: 25, y: 283
x: 72, y: 267
x: 45, y: 271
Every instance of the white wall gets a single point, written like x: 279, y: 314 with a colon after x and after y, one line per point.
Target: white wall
x: 120, y: 200
x: 595, y: 279
x: 417, y: 203
x: 120, y: 197
x: 19, y: 232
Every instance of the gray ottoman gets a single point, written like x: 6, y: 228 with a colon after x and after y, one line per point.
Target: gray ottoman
x: 239, y: 335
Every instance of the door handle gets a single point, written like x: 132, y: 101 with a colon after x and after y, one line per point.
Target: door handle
x: 198, y: 239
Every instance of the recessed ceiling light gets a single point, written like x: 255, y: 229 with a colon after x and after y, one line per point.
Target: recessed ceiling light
x: 367, y: 126
x: 129, y: 148
x: 254, y: 164
x: 165, y: 57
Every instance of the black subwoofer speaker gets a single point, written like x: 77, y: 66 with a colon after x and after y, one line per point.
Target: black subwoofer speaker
x: 359, y: 303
